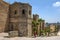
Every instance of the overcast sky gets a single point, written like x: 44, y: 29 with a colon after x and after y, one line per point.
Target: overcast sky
x: 49, y: 10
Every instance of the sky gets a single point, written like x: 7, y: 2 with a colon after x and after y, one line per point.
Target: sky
x: 49, y: 10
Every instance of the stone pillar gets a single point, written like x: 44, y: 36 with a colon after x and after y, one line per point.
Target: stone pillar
x: 38, y: 30
x: 29, y: 30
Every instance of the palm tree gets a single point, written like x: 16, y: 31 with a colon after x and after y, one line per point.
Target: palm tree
x: 48, y: 30
x: 42, y: 32
x: 40, y: 21
x: 35, y: 24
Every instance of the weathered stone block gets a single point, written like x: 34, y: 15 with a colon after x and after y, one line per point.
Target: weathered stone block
x: 13, y: 33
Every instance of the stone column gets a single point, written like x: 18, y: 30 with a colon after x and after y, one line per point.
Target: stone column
x: 38, y: 30
x: 29, y: 30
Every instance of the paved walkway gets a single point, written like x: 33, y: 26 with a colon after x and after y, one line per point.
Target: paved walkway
x: 37, y: 38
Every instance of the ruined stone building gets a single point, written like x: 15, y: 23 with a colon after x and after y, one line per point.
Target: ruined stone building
x: 15, y: 17
x: 53, y: 29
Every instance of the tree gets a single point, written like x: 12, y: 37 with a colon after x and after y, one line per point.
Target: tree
x: 35, y: 24
x: 48, y: 30
x: 39, y: 20
x: 43, y: 32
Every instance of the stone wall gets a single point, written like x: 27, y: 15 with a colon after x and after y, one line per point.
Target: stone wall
x: 4, y: 9
x: 15, y: 17
x: 20, y: 14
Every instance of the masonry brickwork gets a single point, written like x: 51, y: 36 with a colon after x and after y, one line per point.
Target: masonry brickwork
x: 15, y: 17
